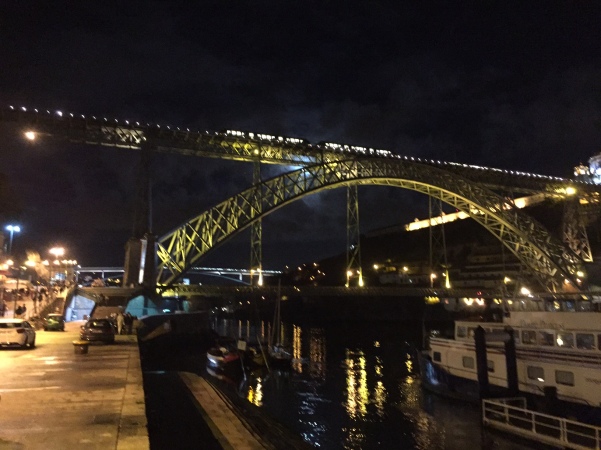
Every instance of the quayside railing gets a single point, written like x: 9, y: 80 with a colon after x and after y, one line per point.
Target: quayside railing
x: 513, y: 416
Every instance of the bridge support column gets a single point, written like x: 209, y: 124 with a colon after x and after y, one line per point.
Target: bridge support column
x: 353, y: 237
x: 438, y: 244
x: 256, y: 231
x: 574, y: 230
x: 140, y: 249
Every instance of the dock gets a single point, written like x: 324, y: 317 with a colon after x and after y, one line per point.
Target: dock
x: 512, y: 415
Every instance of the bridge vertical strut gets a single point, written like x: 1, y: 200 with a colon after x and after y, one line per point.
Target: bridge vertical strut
x: 256, y: 229
x: 353, y: 237
x: 140, y: 249
x: 574, y: 230
x: 438, y: 243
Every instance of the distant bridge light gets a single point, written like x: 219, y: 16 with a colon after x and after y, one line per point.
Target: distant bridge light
x: 30, y: 135
x: 570, y: 190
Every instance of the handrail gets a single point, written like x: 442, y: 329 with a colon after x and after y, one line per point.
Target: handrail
x: 542, y: 427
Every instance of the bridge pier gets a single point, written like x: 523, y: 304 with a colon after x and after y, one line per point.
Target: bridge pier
x: 140, y: 262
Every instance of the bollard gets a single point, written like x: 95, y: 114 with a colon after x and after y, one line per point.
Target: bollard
x: 81, y: 347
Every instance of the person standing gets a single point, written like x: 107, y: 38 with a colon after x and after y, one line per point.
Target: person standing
x: 120, y: 320
x: 128, y: 320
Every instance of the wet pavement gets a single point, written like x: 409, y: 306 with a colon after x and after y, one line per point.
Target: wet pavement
x: 51, y: 397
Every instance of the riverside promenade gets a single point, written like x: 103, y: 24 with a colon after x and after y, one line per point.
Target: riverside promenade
x: 52, y: 398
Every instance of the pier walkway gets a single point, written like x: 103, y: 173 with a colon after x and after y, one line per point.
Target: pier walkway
x: 51, y: 397
x: 227, y: 427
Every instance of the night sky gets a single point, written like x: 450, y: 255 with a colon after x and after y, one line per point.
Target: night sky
x: 514, y: 85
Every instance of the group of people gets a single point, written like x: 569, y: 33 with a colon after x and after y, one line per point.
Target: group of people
x: 125, y: 323
x: 20, y: 311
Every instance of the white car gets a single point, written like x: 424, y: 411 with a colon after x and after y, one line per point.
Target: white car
x: 16, y: 333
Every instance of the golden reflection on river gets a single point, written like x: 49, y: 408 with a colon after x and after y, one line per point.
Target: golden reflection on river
x: 368, y: 397
x: 255, y: 392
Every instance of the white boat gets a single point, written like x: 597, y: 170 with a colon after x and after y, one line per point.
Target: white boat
x: 556, y: 352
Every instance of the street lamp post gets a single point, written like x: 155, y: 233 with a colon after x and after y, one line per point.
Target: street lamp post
x: 57, y: 252
x: 12, y: 229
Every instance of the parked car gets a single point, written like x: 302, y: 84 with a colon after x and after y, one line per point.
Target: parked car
x: 54, y: 322
x: 98, y: 330
x: 16, y: 333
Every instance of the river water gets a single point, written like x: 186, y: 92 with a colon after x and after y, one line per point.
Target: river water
x: 356, y: 386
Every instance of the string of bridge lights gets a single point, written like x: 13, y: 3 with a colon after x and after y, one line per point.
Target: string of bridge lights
x: 278, y: 140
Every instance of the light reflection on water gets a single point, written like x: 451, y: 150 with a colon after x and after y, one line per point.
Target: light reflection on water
x: 358, y: 388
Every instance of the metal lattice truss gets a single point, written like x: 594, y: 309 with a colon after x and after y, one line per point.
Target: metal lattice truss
x: 250, y: 147
x: 544, y: 255
x: 353, y: 236
x: 574, y: 230
x: 256, y: 230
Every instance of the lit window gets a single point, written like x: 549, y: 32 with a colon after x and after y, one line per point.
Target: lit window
x: 565, y: 340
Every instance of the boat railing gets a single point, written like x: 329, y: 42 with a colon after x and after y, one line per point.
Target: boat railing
x: 503, y: 414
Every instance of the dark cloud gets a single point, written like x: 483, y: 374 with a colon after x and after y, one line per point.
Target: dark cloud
x: 504, y: 84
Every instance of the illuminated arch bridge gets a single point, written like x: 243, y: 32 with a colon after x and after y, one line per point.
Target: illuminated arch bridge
x: 545, y: 256
x: 327, y: 165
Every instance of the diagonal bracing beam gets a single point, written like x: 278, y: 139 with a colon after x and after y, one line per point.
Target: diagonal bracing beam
x: 522, y: 235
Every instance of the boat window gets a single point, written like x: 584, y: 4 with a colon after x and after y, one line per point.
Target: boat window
x: 536, y: 373
x: 585, y: 341
x: 471, y: 332
x: 599, y: 341
x: 468, y: 362
x: 436, y: 356
x: 564, y: 377
x: 461, y: 332
x: 546, y: 338
x: 529, y: 337
x: 565, y: 340
x: 490, y: 365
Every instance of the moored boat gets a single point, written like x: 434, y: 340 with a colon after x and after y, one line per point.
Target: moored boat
x: 218, y: 357
x: 557, y: 359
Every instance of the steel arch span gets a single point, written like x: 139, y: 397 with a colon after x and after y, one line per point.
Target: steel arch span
x: 527, y: 239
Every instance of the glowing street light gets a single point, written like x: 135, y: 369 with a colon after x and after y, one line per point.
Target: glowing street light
x: 30, y: 135
x: 57, y: 251
x: 432, y: 278
x: 12, y: 229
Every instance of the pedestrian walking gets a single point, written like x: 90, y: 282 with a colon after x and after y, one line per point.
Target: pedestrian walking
x: 120, y: 321
x: 128, y: 320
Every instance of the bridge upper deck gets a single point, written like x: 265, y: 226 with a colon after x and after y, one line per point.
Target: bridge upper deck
x: 251, y: 147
